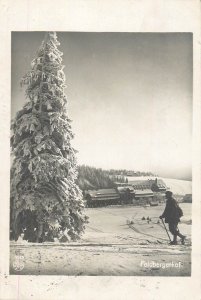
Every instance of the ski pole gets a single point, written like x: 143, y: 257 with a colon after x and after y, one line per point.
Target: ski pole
x: 166, y: 229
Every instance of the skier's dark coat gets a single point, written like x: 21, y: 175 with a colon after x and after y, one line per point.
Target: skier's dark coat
x: 171, y: 211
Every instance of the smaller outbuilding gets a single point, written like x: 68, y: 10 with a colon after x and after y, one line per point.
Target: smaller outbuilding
x: 187, y: 198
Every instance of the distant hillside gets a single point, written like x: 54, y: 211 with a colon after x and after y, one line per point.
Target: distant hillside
x: 96, y: 178
x: 125, y: 172
x: 180, y: 187
x: 93, y: 178
x: 90, y: 178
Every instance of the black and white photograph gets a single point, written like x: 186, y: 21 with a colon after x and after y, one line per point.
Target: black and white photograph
x: 100, y: 147
x: 101, y: 153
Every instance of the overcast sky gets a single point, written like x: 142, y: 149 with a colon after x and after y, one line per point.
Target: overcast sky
x: 130, y: 97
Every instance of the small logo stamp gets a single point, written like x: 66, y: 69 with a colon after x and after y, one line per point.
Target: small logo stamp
x: 18, y: 262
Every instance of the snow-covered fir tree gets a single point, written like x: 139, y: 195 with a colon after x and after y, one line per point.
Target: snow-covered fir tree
x: 46, y: 202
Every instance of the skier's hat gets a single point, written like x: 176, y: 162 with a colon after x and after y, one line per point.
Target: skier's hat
x: 168, y: 193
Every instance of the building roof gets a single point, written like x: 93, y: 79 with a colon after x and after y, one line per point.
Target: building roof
x: 147, y: 184
x: 124, y: 189
x: 103, y: 194
x: 141, y: 183
x: 119, y: 184
x: 144, y: 193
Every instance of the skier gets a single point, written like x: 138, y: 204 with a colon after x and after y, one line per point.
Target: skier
x: 172, y: 214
